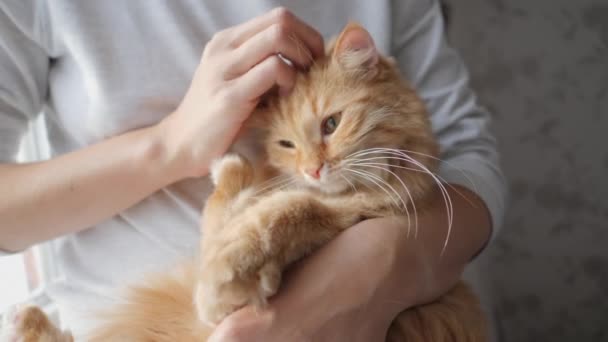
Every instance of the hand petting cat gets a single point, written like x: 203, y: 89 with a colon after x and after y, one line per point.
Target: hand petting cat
x: 238, y: 66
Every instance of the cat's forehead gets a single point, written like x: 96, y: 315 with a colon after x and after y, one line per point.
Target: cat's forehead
x: 322, y: 91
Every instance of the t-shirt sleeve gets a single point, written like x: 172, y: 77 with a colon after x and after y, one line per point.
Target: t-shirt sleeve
x: 468, y: 149
x: 23, y: 74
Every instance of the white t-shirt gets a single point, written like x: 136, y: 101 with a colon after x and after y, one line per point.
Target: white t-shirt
x: 95, y: 69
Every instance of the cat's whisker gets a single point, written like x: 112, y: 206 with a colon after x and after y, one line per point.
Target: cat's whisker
x: 431, y: 157
x: 447, y: 163
x: 365, y: 176
x: 277, y: 183
x: 279, y: 187
x: 384, y: 167
x: 385, y: 183
x: 447, y: 199
x: 381, y: 183
x: 403, y: 204
x: 349, y: 182
x: 444, y: 192
x: 397, y: 166
x: 287, y: 185
x: 274, y: 179
x: 355, y: 161
x: 362, y: 152
x: 270, y: 187
x: 406, y: 158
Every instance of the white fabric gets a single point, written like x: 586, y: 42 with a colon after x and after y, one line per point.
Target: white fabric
x: 99, y: 68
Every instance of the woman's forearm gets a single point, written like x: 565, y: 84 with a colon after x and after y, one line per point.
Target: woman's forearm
x: 421, y: 270
x: 471, y: 230
x: 74, y: 191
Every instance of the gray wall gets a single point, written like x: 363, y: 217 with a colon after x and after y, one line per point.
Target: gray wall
x: 542, y: 67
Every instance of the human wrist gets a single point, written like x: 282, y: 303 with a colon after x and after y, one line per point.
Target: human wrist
x: 431, y: 263
x: 160, y: 157
x: 180, y: 154
x: 401, y: 271
x: 380, y: 282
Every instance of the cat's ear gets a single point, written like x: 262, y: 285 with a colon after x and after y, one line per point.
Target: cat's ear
x: 354, y: 50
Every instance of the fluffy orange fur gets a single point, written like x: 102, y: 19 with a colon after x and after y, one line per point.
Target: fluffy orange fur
x: 352, y: 142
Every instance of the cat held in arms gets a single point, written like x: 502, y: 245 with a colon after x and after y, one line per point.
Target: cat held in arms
x: 353, y: 141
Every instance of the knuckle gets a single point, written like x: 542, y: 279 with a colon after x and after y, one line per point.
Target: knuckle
x: 225, y: 96
x: 206, y: 51
x: 219, y: 36
x: 279, y: 33
x: 229, y: 65
x: 282, y: 15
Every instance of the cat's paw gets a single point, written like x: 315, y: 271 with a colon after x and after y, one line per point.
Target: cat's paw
x: 233, y: 277
x: 231, y: 168
x: 24, y: 323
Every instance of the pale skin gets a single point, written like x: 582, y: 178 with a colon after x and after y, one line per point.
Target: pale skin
x: 385, y: 271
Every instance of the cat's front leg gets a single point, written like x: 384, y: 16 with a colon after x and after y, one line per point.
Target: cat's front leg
x: 243, y: 264
x: 235, y: 271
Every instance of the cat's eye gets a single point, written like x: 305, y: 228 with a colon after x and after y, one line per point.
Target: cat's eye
x: 331, y: 123
x: 286, y: 144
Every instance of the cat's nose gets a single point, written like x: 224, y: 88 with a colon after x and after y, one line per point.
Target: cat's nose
x: 314, y: 172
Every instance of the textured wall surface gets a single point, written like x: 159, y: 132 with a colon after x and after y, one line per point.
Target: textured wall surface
x: 542, y: 67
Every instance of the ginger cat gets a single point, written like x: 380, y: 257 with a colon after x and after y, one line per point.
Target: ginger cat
x: 353, y: 141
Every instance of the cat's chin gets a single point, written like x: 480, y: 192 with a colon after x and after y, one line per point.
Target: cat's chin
x: 327, y: 187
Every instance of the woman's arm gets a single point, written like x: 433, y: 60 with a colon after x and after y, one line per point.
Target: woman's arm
x: 420, y: 269
x: 47, y: 199
x: 75, y: 191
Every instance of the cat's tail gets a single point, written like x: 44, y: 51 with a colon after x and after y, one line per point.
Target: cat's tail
x: 454, y: 317
x: 161, y: 311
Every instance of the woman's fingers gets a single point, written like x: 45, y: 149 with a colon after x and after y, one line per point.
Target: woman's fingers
x: 276, y: 39
x: 282, y: 16
x: 308, y: 35
x: 248, y: 60
x: 277, y: 32
x: 263, y: 76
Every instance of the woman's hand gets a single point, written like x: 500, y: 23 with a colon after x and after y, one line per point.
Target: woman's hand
x: 238, y: 66
x: 336, y: 294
